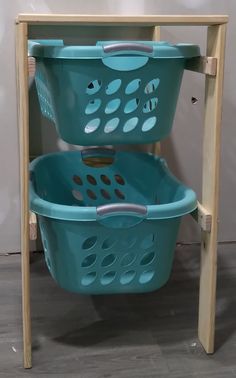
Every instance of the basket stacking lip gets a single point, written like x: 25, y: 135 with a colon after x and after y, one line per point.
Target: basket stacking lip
x: 178, y: 208
x: 57, y: 49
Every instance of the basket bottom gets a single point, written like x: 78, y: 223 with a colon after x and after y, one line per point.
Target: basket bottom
x: 93, y: 259
x: 112, y: 291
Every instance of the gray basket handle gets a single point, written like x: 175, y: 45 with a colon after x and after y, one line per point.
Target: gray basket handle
x: 127, y: 47
x: 113, y: 208
x: 98, y: 151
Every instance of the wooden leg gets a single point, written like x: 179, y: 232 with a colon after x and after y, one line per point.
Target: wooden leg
x: 23, y: 120
x: 210, y: 187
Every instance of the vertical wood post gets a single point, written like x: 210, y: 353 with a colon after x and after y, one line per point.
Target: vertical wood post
x: 210, y: 187
x: 23, y: 122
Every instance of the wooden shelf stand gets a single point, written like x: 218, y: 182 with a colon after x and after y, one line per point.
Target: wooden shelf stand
x: 212, y: 66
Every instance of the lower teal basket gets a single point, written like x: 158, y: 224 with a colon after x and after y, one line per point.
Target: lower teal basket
x: 108, y: 228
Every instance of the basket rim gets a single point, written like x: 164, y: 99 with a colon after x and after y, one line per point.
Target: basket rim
x: 40, y: 206
x: 160, y: 50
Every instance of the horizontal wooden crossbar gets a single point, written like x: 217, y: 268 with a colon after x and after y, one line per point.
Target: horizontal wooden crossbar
x: 31, y: 66
x: 203, y: 217
x: 32, y: 226
x: 204, y: 64
x: 114, y: 20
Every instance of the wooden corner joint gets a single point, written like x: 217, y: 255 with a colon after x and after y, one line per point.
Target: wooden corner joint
x: 203, y: 217
x: 32, y: 226
x: 203, y: 64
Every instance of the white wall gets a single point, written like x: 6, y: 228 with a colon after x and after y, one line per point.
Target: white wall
x: 182, y: 149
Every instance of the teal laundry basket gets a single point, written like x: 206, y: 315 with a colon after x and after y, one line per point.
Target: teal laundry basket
x: 112, y: 93
x: 108, y: 228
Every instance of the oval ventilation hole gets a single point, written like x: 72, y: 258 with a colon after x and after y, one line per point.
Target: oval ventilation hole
x: 88, y: 279
x: 127, y: 277
x: 93, y: 87
x: 151, y: 86
x: 77, y: 195
x: 105, y: 194
x: 92, y: 125
x: 128, y: 242
x: 108, y: 243
x: 111, y: 125
x: 105, y: 180
x: 145, y: 277
x: 112, y: 106
x: 113, y: 87
x: 133, y: 86
x: 150, y: 105
x: 147, y: 258
x: 77, y: 180
x: 119, y: 194
x: 88, y: 260
x: 89, y: 243
x: 108, y: 260
x: 91, y: 180
x: 149, y: 124
x: 131, y: 105
x: 119, y: 179
x: 93, y: 106
x: 128, y: 259
x: 130, y: 124
x: 148, y: 241
x: 108, y: 278
x: 91, y: 194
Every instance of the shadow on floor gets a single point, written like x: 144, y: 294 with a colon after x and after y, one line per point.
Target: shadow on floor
x: 168, y: 315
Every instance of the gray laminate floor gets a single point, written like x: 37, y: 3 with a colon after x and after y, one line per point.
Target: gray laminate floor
x: 136, y: 336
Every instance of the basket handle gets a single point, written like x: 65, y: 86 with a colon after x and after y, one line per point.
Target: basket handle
x: 98, y: 151
x: 114, y: 208
x: 128, y: 47
x: 121, y: 215
x: 98, y: 157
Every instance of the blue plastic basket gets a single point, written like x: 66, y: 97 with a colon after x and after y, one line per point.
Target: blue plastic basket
x: 111, y: 93
x: 111, y: 228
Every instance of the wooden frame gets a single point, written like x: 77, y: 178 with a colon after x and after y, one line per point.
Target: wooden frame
x: 212, y: 66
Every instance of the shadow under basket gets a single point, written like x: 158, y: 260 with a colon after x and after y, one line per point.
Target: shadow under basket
x: 108, y: 220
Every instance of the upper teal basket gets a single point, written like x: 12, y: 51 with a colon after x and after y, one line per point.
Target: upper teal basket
x: 113, y: 93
